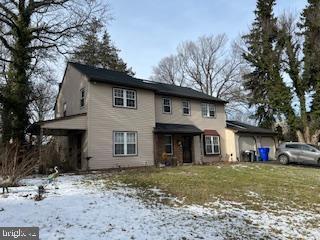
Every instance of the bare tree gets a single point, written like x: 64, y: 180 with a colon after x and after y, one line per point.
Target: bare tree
x: 209, y: 65
x: 31, y: 32
x: 169, y: 70
x: 44, y: 95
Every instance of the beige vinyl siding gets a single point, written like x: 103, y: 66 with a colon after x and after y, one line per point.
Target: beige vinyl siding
x: 104, y: 119
x: 217, y: 123
x: 73, y: 82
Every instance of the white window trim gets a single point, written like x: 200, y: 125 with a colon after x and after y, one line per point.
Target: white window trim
x: 125, y: 142
x: 166, y: 105
x: 124, y: 98
x: 171, y: 145
x: 83, y: 90
x: 189, y: 107
x: 208, y: 110
x: 212, y: 145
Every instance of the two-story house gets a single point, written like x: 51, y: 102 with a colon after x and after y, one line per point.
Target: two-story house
x: 109, y: 120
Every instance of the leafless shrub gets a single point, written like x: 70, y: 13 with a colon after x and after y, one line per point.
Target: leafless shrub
x: 16, y: 162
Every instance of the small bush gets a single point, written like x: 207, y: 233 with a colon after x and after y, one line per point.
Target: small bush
x: 16, y: 162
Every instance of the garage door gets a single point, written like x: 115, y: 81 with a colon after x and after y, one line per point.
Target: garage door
x: 269, y: 143
x: 246, y: 143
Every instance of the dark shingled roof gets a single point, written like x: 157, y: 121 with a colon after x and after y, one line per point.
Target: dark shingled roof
x: 176, y: 128
x: 246, y: 128
x: 122, y: 79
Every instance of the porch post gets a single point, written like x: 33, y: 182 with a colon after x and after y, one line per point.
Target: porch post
x: 40, y: 151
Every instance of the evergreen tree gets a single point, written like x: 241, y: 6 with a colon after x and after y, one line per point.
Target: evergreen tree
x: 310, y: 26
x: 100, y: 52
x: 109, y: 58
x: 88, y: 51
x: 268, y: 92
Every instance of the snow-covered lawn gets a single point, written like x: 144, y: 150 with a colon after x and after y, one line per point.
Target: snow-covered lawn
x: 85, y: 207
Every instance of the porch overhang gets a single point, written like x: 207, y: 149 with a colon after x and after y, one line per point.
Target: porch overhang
x: 59, y: 126
x: 169, y: 128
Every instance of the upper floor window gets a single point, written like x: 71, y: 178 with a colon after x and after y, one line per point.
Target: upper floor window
x: 82, y: 97
x: 212, y: 145
x: 65, y: 109
x: 124, y: 98
x: 186, y: 108
x: 208, y: 110
x: 166, y: 105
x: 125, y: 143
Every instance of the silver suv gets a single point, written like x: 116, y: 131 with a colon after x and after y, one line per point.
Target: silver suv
x: 298, y: 152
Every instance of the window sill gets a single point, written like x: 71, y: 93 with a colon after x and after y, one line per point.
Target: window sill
x: 127, y: 155
x: 134, y: 108
x: 212, y: 154
x: 208, y: 117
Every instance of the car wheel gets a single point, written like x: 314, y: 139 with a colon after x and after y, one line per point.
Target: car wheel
x: 283, y: 159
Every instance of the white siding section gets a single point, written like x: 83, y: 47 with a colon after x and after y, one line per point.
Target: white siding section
x: 231, y: 149
x: 103, y: 119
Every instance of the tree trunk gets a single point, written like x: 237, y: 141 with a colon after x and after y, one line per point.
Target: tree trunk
x: 315, y: 137
x: 300, y: 136
x: 18, y: 87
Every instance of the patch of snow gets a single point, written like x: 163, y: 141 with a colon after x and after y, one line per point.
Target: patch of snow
x: 85, y: 208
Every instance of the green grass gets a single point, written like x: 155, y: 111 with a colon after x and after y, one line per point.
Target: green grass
x: 257, y: 186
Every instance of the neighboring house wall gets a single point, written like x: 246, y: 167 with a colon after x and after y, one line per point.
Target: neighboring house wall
x: 104, y: 119
x: 73, y: 82
x: 217, y: 123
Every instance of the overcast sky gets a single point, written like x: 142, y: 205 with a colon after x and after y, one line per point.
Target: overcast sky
x: 147, y: 31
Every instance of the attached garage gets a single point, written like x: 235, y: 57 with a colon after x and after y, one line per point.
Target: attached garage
x: 269, y: 142
x: 247, y: 143
x: 249, y: 138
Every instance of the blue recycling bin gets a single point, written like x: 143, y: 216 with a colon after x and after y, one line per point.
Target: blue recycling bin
x: 264, y: 153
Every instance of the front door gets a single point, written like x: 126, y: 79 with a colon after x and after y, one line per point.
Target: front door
x: 187, y: 149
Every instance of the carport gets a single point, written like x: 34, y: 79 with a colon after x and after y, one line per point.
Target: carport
x: 70, y: 134
x: 246, y: 137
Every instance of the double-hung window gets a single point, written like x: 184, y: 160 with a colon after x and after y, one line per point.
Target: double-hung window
x: 208, y: 110
x: 168, y: 144
x: 125, y: 143
x: 124, y: 98
x: 166, y: 105
x: 186, y: 108
x: 82, y: 97
x: 212, y: 145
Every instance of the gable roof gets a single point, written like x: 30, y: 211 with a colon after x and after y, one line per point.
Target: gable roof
x: 247, y: 128
x: 95, y: 74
